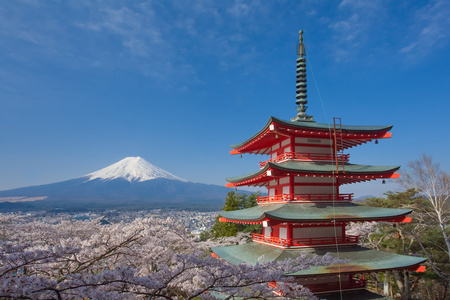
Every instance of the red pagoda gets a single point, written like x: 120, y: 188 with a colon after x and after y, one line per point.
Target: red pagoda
x: 304, y: 209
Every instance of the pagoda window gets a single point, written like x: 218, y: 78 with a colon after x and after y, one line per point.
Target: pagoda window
x: 275, y: 147
x: 268, y: 231
x: 283, y: 233
x: 271, y: 192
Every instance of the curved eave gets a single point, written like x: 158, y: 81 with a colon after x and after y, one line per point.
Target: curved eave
x: 362, y: 260
x: 351, y: 135
x: 348, y: 173
x: 310, y: 212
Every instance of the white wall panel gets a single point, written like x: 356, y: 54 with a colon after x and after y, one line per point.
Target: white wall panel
x: 284, y: 180
x: 283, y: 232
x: 285, y: 142
x: 308, y: 189
x: 310, y: 232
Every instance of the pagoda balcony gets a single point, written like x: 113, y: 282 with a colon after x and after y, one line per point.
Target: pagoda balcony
x: 286, y: 198
x: 322, y: 288
x: 321, y: 157
x: 304, y: 242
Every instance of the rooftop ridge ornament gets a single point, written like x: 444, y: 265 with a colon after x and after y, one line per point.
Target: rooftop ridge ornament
x: 301, y: 83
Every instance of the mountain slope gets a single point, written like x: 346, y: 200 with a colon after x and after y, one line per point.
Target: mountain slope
x: 130, y: 183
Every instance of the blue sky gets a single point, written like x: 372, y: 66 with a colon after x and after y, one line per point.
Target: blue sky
x: 84, y: 84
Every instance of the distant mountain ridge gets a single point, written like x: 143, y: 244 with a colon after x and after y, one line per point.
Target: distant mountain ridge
x: 132, y: 183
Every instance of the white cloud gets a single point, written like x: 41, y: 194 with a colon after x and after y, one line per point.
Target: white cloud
x: 430, y: 30
x: 145, y: 36
x: 240, y: 9
x: 360, y: 4
x: 352, y: 24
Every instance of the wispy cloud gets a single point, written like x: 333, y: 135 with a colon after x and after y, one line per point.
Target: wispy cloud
x: 352, y: 25
x: 240, y: 8
x: 158, y: 39
x: 134, y: 28
x: 429, y: 30
x: 160, y: 33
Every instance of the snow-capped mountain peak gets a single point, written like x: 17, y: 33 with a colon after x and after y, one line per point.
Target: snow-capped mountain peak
x: 132, y: 169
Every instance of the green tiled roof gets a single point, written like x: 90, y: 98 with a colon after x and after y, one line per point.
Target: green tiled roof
x: 310, y: 167
x: 318, y: 126
x: 362, y: 259
x: 308, y: 212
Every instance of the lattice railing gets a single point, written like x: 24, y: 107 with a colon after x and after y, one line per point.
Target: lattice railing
x: 306, y: 156
x: 313, y: 241
x: 282, y: 198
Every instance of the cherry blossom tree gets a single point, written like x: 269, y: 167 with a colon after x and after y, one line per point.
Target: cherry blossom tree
x: 147, y: 258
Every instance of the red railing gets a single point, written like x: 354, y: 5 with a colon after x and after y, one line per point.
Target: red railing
x: 281, y: 198
x: 306, y: 156
x: 314, y: 241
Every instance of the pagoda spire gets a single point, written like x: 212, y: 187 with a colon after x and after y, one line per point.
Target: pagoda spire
x: 301, y: 83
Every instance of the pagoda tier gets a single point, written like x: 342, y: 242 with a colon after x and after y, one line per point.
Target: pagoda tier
x: 294, y: 173
x: 306, y: 225
x: 314, y: 213
x: 304, y: 133
x: 362, y: 260
x: 325, y: 279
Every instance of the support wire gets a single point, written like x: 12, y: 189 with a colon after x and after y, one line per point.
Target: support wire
x: 335, y: 178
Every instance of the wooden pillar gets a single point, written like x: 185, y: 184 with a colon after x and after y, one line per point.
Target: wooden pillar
x: 291, y: 187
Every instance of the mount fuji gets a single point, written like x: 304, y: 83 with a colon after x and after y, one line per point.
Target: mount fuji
x: 132, y: 169
x: 132, y: 183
